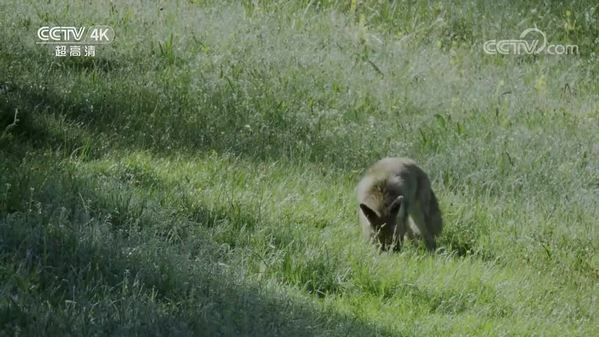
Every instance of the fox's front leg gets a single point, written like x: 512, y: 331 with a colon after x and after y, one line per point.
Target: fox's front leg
x: 398, y: 235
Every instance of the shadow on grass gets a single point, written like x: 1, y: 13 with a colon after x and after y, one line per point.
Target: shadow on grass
x: 72, y: 282
x: 119, y: 113
x: 67, y: 270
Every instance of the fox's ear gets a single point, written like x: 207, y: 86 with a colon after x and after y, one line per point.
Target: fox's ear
x: 396, y: 204
x: 369, y: 213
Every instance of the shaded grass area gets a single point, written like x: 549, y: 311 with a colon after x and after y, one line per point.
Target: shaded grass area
x: 101, y: 264
x: 197, y: 177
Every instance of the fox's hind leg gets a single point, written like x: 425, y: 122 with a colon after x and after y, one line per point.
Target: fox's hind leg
x: 433, y: 217
x: 419, y: 219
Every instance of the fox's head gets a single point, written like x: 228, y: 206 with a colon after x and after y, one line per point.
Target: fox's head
x: 384, y: 222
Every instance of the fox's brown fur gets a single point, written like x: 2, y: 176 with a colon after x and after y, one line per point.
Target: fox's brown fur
x: 395, y: 198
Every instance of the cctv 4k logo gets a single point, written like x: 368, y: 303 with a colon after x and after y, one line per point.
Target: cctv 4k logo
x: 75, y: 41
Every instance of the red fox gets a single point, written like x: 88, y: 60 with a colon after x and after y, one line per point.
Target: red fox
x: 396, y: 199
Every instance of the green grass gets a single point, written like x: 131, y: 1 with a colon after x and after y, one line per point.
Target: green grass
x: 197, y: 176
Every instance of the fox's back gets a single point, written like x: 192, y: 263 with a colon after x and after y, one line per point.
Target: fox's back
x: 386, y: 179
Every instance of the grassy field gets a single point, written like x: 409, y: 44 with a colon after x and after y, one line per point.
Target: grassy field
x: 196, y: 177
